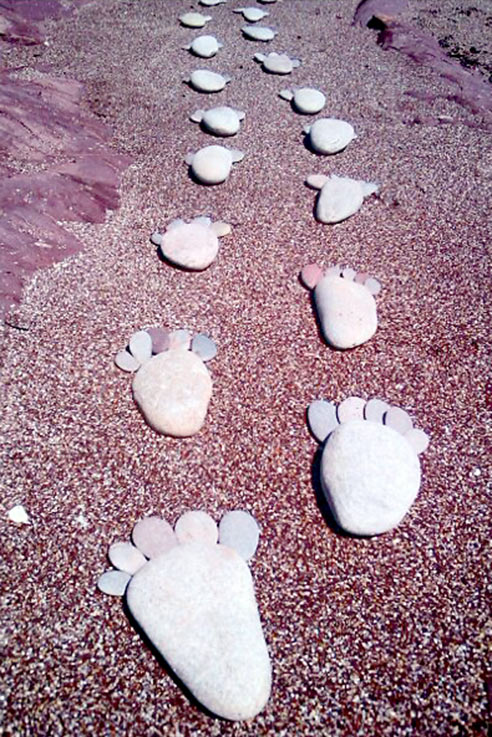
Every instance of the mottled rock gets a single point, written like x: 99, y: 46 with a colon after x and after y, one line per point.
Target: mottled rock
x: 346, y: 311
x: 197, y: 606
x: 172, y: 391
x: 370, y: 476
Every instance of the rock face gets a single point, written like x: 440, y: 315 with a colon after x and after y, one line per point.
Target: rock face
x: 370, y: 476
x: 191, y: 246
x: 197, y: 605
x: 172, y: 391
x: 346, y: 311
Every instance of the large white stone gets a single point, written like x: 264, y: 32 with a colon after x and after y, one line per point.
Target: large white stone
x: 173, y: 390
x: 203, y: 80
x: 212, y: 164
x: 330, y: 135
x: 222, y: 120
x: 191, y: 246
x: 370, y: 476
x: 341, y: 197
x: 346, y: 311
x: 197, y: 605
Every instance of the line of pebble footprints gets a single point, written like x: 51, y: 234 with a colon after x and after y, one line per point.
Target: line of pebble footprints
x: 190, y: 589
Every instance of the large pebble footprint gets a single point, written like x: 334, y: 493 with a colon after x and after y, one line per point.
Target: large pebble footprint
x: 172, y: 386
x: 191, y: 592
x: 339, y: 197
x: 193, y: 245
x: 345, y: 304
x: 370, y: 471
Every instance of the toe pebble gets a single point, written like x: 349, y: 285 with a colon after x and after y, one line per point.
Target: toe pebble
x: 160, y: 339
x: 179, y: 339
x: 418, y: 439
x: 322, y: 418
x: 351, y: 408
x: 373, y: 285
x: 153, y: 536
x: 204, y: 347
x: 311, y: 275
x: 126, y: 362
x: 375, y: 410
x: 141, y: 346
x: 398, y: 419
x: 240, y: 531
x: 113, y: 583
x: 196, y: 526
x: 126, y: 557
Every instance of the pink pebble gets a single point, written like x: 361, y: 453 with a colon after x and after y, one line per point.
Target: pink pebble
x: 126, y: 557
x: 160, y: 339
x: 361, y: 277
x: 311, y: 275
x: 196, y: 526
x: 375, y: 410
x: 179, y: 339
x: 398, y: 419
x: 418, y: 439
x: 351, y: 408
x: 153, y: 536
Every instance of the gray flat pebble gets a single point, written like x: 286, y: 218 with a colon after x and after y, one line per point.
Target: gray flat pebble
x: 240, y: 531
x: 204, y: 347
x: 113, y: 583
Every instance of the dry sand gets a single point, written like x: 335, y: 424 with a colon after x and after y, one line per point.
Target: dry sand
x: 385, y: 636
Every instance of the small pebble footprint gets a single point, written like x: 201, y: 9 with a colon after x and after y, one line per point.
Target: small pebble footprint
x: 172, y: 386
x: 193, y: 245
x: 191, y: 592
x: 370, y: 471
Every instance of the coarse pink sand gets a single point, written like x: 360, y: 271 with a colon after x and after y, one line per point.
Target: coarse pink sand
x: 384, y: 636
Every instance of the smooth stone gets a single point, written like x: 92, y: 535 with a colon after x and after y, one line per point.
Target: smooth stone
x: 173, y: 390
x: 373, y: 285
x: 375, y: 410
x: 308, y: 100
x: 180, y: 339
x: 160, y: 339
x: 126, y: 362
x: 126, y: 557
x: 346, y: 311
x: 418, y: 439
x: 113, y: 583
x: 252, y: 15
x: 349, y: 274
x: 212, y: 164
x: 341, y: 197
x: 205, y: 46
x: 329, y: 135
x: 153, y: 536
x: 194, y: 20
x: 221, y: 121
x: 259, y: 33
x: 351, y: 409
x: 210, y: 3
x: 278, y: 63
x: 204, y: 80
x: 361, y: 277
x: 204, y: 347
x: 370, y: 476
x: 18, y: 515
x: 398, y: 419
x: 140, y: 346
x: 322, y: 418
x: 239, y: 530
x: 197, y: 606
x: 191, y: 246
x: 311, y: 275
x: 196, y: 526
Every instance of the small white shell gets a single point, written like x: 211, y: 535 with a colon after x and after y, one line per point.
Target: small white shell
x: 212, y: 164
x: 308, y: 100
x: 203, y: 80
x: 259, y: 33
x: 221, y: 121
x: 329, y: 135
x: 194, y: 20
x: 341, y: 197
x: 205, y: 46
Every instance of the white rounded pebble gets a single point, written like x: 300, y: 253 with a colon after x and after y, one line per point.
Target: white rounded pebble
x: 375, y: 410
x: 373, y: 285
x: 398, y: 419
x: 322, y: 418
x: 113, y: 583
x: 329, y: 135
x: 126, y: 362
x: 341, y: 197
x: 212, y: 164
x: 204, y: 347
x: 210, y: 3
x: 173, y: 391
x: 191, y: 246
x: 308, y: 101
x: 18, y: 515
x: 194, y: 20
x: 350, y: 409
x: 346, y: 311
x: 259, y: 33
x: 370, y: 476
x: 140, y: 346
x: 252, y: 15
x: 196, y: 526
x: 221, y: 121
x: 240, y: 531
x: 204, y: 80
x: 277, y: 63
x: 126, y: 557
x: 204, y: 46
x: 153, y: 536
x: 180, y: 339
x: 197, y: 606
x: 418, y: 439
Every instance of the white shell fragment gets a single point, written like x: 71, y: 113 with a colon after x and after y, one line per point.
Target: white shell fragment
x: 194, y: 20
x: 220, y: 121
x: 18, y: 515
x: 252, y: 15
x: 329, y: 135
x: 212, y: 164
x: 259, y: 33
x: 305, y: 100
x: 277, y: 63
x: 203, y: 80
x: 204, y: 46
x: 340, y: 197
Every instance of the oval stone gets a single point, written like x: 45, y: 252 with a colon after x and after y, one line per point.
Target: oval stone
x: 204, y: 80
x: 346, y: 311
x: 212, y: 164
x: 194, y: 20
x: 278, y: 64
x: 329, y: 135
x: 309, y: 101
x: 192, y: 246
x: 197, y: 606
x: 239, y: 530
x: 370, y: 476
x: 221, y: 121
x: 204, y: 46
x: 113, y: 583
x: 172, y: 391
x: 196, y: 526
x: 341, y: 197
x: 258, y: 33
